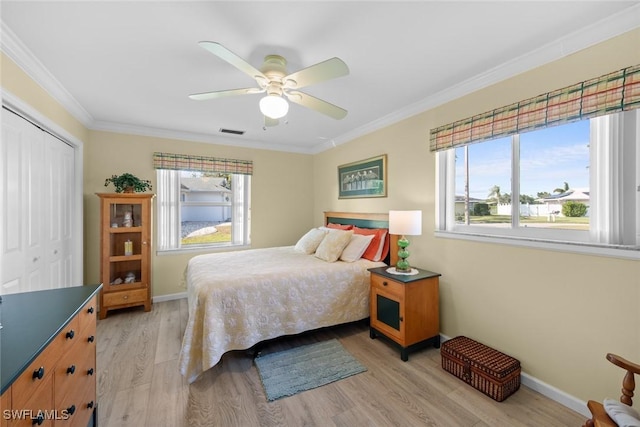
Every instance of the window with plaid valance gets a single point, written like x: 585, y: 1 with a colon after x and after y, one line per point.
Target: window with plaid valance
x: 611, y: 93
x: 205, y: 164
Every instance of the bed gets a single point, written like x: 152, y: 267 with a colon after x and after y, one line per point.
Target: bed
x: 239, y: 299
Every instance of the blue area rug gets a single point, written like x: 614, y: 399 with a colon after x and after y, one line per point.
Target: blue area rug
x: 288, y: 372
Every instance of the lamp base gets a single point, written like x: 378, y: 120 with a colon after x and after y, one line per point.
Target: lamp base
x: 403, y: 270
x: 402, y: 265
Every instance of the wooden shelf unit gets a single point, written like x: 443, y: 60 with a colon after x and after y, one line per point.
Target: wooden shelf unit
x: 125, y: 217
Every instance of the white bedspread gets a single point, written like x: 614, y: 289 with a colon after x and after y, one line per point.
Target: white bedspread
x: 238, y: 299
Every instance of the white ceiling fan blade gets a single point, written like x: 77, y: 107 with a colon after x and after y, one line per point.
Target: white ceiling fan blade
x: 326, y: 70
x: 224, y: 93
x: 316, y: 104
x: 233, y: 59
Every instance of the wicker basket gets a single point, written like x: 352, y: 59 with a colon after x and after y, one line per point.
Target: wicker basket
x: 494, y: 373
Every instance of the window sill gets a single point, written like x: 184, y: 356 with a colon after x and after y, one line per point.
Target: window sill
x: 614, y: 251
x: 202, y: 249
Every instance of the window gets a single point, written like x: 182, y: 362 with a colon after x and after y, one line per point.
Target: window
x: 200, y: 204
x: 576, y: 182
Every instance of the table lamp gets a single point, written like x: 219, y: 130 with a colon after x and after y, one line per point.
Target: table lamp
x: 404, y: 223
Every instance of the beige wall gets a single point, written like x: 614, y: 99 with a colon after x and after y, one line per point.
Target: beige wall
x: 559, y: 313
x: 21, y: 85
x: 281, y: 207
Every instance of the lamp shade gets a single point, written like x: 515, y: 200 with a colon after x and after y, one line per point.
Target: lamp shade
x: 274, y: 106
x: 405, y: 223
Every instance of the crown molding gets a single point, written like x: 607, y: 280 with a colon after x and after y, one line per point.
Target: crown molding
x: 605, y: 29
x: 240, y: 141
x: 13, y: 47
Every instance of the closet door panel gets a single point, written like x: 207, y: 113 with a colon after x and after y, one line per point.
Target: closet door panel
x: 60, y: 209
x: 23, y: 157
x: 36, y: 209
x: 13, y: 252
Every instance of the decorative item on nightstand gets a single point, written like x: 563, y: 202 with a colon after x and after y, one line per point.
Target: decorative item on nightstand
x: 404, y: 223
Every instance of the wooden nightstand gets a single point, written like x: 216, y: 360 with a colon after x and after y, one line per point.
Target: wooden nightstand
x: 404, y: 308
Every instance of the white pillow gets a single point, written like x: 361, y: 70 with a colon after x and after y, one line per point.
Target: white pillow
x: 333, y: 244
x: 623, y: 415
x: 356, y: 247
x: 310, y: 241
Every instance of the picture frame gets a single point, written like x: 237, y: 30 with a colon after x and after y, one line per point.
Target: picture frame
x: 364, y: 178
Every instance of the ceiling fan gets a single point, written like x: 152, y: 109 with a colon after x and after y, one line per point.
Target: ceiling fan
x: 274, y: 80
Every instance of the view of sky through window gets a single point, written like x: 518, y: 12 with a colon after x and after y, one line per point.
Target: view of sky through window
x: 549, y: 158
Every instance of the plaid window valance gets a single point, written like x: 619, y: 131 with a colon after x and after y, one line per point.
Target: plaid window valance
x: 201, y: 163
x: 611, y: 93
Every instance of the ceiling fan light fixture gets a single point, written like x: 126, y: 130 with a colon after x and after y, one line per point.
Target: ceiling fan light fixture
x: 274, y: 106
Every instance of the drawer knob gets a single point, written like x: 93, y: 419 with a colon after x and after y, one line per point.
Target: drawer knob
x: 90, y: 371
x: 90, y: 405
x: 125, y: 297
x: 91, y: 338
x: 71, y: 334
x: 385, y: 283
x: 71, y: 409
x: 38, y: 373
x: 38, y: 420
x: 90, y: 310
x: 71, y: 369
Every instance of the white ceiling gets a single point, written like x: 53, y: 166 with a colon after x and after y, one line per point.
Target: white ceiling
x: 129, y: 66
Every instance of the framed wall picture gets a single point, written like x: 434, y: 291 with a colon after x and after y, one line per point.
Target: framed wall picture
x: 366, y: 178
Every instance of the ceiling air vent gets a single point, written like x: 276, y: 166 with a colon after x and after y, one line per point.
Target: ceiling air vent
x: 232, y: 131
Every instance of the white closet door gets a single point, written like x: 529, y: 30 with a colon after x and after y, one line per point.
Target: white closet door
x: 23, y: 244
x: 59, y: 200
x: 37, y: 204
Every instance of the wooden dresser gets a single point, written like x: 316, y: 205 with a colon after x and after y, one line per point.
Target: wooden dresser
x: 48, y: 357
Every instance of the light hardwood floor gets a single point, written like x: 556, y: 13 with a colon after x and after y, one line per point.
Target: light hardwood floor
x: 139, y: 384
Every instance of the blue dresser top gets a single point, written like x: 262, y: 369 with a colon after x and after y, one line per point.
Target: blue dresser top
x: 31, y: 320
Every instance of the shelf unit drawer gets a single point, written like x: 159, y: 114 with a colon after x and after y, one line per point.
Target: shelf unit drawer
x: 124, y: 298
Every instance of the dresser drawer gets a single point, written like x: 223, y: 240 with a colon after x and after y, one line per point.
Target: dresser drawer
x: 69, y: 335
x: 40, y: 402
x: 35, y: 377
x: 88, y: 314
x: 387, y: 285
x: 75, y: 369
x: 81, y: 402
x: 124, y: 298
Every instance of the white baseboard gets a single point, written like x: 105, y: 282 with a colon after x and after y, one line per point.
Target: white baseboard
x: 170, y: 297
x: 549, y: 391
x: 558, y: 395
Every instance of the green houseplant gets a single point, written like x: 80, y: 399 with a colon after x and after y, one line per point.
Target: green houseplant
x: 128, y: 183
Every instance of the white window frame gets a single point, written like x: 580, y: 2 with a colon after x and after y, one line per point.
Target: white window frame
x: 169, y: 222
x: 615, y: 225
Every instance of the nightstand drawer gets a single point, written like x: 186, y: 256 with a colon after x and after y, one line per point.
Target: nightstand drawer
x: 387, y: 285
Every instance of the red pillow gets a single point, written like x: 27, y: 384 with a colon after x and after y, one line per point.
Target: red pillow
x: 340, y: 226
x: 377, y: 249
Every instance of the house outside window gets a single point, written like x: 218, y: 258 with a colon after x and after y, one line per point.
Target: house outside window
x: 199, y: 207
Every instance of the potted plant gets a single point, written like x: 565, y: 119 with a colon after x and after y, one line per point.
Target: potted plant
x: 128, y: 183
